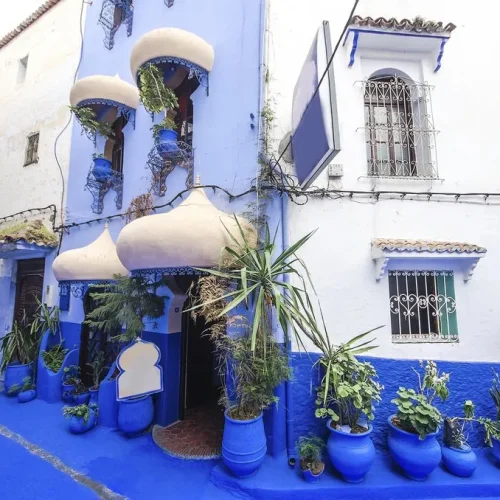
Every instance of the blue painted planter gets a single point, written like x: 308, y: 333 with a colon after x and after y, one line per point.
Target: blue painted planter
x: 166, y: 142
x: 461, y: 462
x: 78, y: 426
x: 67, y: 389
x: 496, y: 449
x: 14, y: 374
x: 94, y: 396
x: 310, y: 477
x: 102, y: 169
x: 107, y: 403
x: 243, y: 445
x: 26, y: 396
x: 351, y: 454
x: 417, y: 457
x: 135, y: 415
x: 80, y: 399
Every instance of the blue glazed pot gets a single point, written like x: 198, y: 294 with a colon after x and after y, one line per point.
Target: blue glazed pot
x: 14, y: 374
x: 351, y: 454
x: 243, y: 445
x: 26, y: 396
x: 102, y: 169
x: 496, y: 448
x: 94, y: 395
x: 417, y: 457
x: 135, y: 415
x: 166, y: 142
x: 80, y: 399
x: 78, y: 426
x: 67, y: 389
x: 310, y: 477
x: 460, y: 461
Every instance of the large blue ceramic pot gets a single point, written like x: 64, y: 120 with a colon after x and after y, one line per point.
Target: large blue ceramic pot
x: 14, y: 374
x: 351, y: 454
x: 26, y: 396
x: 417, y: 457
x: 77, y: 425
x: 166, y: 142
x: 135, y: 415
x: 102, y: 169
x: 496, y: 448
x: 243, y: 445
x: 460, y: 461
x: 80, y: 399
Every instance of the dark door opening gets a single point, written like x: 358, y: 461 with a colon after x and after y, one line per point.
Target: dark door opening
x: 29, y: 289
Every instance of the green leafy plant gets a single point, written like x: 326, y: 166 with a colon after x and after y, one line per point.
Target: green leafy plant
x: 416, y: 413
x: 47, y: 319
x: 156, y: 97
x: 27, y: 385
x: 71, y: 375
x: 80, y: 388
x: 310, y: 449
x: 495, y: 392
x: 20, y: 344
x: 348, y: 388
x: 127, y: 303
x: 80, y: 411
x: 455, y: 428
x: 14, y: 389
x: 491, y: 429
x: 89, y: 122
x: 54, y: 357
x: 97, y: 367
x: 97, y: 156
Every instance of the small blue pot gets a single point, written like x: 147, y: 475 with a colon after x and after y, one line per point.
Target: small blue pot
x: 496, y: 449
x: 78, y: 426
x: 94, y: 395
x: 310, y: 477
x: 351, y: 454
x: 417, y: 457
x: 461, y: 462
x: 102, y: 169
x: 135, y: 415
x: 26, y: 396
x: 67, y: 389
x: 80, y: 399
x: 166, y: 142
x: 244, y: 445
x: 15, y: 373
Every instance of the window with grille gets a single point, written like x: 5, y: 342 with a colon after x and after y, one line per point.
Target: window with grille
x: 31, y: 154
x: 400, y: 135
x: 423, y: 307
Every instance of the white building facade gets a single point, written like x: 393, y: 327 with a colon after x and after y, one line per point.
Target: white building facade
x: 410, y: 121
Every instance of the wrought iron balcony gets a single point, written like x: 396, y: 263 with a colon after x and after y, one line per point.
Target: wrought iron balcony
x: 114, y: 13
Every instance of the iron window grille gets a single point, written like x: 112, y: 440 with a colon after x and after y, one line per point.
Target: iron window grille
x: 423, y: 307
x: 31, y: 153
x: 399, y: 128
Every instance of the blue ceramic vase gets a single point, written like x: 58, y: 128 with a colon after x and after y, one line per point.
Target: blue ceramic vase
x: 417, y: 457
x: 166, y: 143
x: 26, y: 396
x: 80, y: 399
x: 351, y: 454
x: 135, y: 415
x: 94, y: 396
x: 67, y: 390
x: 14, y: 375
x: 243, y: 445
x: 461, y: 462
x: 310, y: 477
x: 102, y: 169
x: 78, y: 426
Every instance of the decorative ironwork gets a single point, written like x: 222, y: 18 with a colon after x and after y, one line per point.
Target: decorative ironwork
x: 99, y: 188
x: 194, y: 70
x: 155, y: 274
x: 78, y: 288
x: 423, y: 306
x: 114, y: 13
x: 179, y: 155
x: 399, y: 127
x: 121, y: 109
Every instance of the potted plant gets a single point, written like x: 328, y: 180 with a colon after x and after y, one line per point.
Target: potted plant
x: 156, y: 97
x: 28, y: 391
x: 80, y: 394
x: 70, y: 380
x: 413, y: 429
x: 346, y: 395
x: 97, y: 367
x: 102, y: 167
x: 81, y: 417
x: 458, y: 456
x: 310, y: 449
x: 89, y: 123
x: 53, y: 357
x: 492, y: 427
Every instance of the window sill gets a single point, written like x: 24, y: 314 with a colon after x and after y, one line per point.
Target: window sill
x: 403, y: 177
x: 426, y: 340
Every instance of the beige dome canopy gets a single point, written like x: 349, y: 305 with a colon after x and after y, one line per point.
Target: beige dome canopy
x: 94, y: 262
x: 191, y: 235
x: 111, y: 88
x: 171, y: 44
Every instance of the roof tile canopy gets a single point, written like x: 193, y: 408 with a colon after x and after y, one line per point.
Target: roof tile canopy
x: 401, y: 245
x: 194, y: 234
x: 417, y: 25
x: 94, y: 262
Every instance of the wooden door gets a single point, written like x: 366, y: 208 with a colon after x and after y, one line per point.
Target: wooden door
x: 29, y: 289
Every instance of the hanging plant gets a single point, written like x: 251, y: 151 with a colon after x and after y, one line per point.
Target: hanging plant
x: 89, y: 123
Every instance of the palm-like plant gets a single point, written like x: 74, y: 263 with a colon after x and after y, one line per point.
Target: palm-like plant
x: 20, y: 344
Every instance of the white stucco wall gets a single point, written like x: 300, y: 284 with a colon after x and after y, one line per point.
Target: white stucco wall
x: 465, y: 112
x: 39, y: 104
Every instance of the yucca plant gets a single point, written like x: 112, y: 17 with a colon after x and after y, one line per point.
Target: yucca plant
x: 20, y: 344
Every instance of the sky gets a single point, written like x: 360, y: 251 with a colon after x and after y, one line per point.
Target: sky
x: 14, y: 12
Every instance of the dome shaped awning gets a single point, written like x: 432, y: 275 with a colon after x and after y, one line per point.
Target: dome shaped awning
x: 105, y: 93
x: 97, y: 261
x: 180, y: 52
x: 192, y: 235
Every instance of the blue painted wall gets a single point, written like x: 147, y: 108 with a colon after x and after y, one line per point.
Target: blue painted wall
x: 467, y: 381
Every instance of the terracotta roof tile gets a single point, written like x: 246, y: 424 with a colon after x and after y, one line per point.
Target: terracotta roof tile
x: 28, y: 22
x: 400, y: 245
x: 417, y: 25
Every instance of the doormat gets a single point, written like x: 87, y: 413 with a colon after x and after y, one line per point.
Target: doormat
x: 198, y: 436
